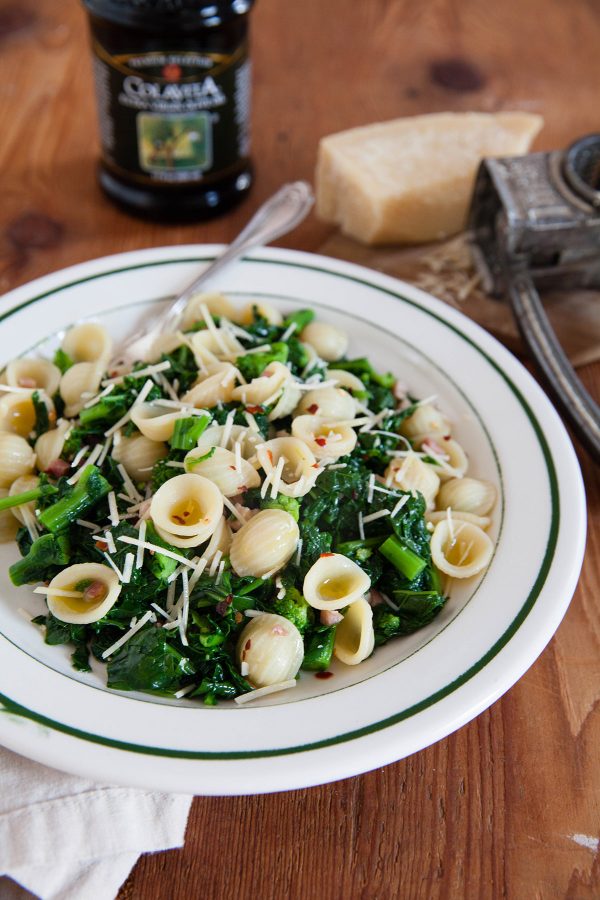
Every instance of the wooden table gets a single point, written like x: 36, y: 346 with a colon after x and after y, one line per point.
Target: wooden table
x: 509, y: 805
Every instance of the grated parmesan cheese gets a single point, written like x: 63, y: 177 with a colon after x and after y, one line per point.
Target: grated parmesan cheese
x: 147, y: 617
x: 113, y: 512
x: 263, y: 691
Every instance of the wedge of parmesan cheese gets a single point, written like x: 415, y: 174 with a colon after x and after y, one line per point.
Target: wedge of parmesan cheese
x: 410, y: 180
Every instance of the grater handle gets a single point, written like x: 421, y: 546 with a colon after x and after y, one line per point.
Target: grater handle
x: 577, y: 406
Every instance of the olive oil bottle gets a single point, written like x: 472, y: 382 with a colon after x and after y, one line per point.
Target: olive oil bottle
x: 173, y: 93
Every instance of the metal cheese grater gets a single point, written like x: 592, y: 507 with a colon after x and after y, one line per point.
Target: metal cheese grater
x: 534, y: 223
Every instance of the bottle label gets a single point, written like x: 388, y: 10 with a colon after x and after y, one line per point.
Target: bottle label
x: 173, y: 117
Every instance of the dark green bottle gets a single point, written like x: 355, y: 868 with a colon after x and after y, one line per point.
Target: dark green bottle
x: 173, y: 92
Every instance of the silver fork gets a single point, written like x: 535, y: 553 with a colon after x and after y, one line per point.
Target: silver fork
x: 280, y: 214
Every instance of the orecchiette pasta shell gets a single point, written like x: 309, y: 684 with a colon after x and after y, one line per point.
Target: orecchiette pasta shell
x: 25, y: 512
x: 49, y: 445
x: 216, y: 388
x: 426, y: 420
x: 8, y: 523
x: 462, y: 550
x: 165, y: 343
x: 272, y: 648
x: 288, y: 400
x: 266, y: 388
x: 454, y: 462
x: 264, y: 544
x: 333, y: 404
x: 38, y: 374
x: 354, y: 636
x: 155, y: 422
x: 206, y: 360
x: 222, y: 470
x: 410, y: 473
x: 81, y: 611
x: 458, y: 516
x: 299, y: 469
x: 220, y: 342
x: 467, y: 495
x: 345, y: 379
x: 334, y: 581
x: 268, y: 312
x: 16, y: 458
x: 187, y: 506
x: 329, y: 342
x: 17, y: 414
x: 213, y: 437
x: 326, y: 439
x: 220, y: 541
x: 216, y: 304
x: 139, y: 454
x: 88, y: 342
x: 78, y: 384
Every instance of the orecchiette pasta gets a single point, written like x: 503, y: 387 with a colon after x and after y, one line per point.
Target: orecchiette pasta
x: 216, y: 304
x: 334, y: 581
x: 409, y: 473
x: 187, y: 508
x: 216, y: 434
x: 165, y: 343
x: 155, y: 422
x: 88, y: 342
x: 467, y: 495
x: 354, y: 636
x: 93, y: 588
x: 327, y: 440
x: 139, y: 454
x: 271, y: 648
x: 17, y: 414
x: 220, y: 342
x: 16, y: 458
x: 425, y: 421
x: 268, y: 312
x: 451, y: 459
x: 220, y: 540
x: 231, y: 475
x: 78, y: 384
x: 333, y: 404
x: 216, y: 388
x: 329, y: 342
x: 345, y: 379
x: 288, y: 400
x: 8, y: 523
x: 460, y: 549
x: 263, y: 390
x: 298, y: 471
x: 25, y: 513
x: 264, y: 544
x: 49, y: 445
x: 37, y: 374
x: 458, y: 516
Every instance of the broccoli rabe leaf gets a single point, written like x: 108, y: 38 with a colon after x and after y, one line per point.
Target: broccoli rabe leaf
x: 148, y: 662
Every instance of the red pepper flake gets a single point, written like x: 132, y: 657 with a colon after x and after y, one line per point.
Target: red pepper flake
x: 102, y: 545
x: 270, y: 455
x: 248, y: 644
x: 447, y: 437
x: 313, y: 408
x: 321, y: 441
x: 327, y: 554
x: 238, y: 617
x: 315, y: 465
x: 254, y: 409
x: 234, y: 468
x: 222, y: 607
x: 324, y: 675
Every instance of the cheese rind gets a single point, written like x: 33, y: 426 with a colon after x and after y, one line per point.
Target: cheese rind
x: 410, y: 180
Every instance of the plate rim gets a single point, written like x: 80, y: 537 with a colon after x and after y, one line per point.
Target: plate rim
x: 398, y: 290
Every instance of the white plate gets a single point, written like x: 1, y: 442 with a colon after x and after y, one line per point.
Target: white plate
x: 411, y: 692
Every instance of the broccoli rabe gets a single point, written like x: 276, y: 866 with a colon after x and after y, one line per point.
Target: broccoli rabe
x: 294, y: 607
x: 289, y: 504
x: 90, y: 488
x: 252, y: 365
x: 46, y: 552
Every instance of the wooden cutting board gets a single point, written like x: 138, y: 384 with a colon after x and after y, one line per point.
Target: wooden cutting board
x: 446, y: 270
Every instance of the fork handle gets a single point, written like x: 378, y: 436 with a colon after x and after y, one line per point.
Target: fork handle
x: 578, y: 408
x: 282, y: 212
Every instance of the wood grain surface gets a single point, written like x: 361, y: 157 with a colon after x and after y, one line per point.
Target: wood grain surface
x: 508, y: 806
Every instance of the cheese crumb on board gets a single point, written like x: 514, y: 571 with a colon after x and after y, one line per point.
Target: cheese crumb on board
x: 410, y: 180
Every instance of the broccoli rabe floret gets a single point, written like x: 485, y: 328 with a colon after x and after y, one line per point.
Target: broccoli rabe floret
x: 289, y: 504
x: 294, y: 607
x: 90, y: 488
x: 252, y: 365
x: 161, y: 472
x: 47, y: 551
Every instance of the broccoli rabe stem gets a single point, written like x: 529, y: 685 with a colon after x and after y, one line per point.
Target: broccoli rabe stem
x: 47, y: 551
x: 90, y: 488
x: 318, y: 650
x: 44, y: 490
x: 405, y: 560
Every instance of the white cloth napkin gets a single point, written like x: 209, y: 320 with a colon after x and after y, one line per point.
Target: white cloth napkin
x: 65, y: 838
